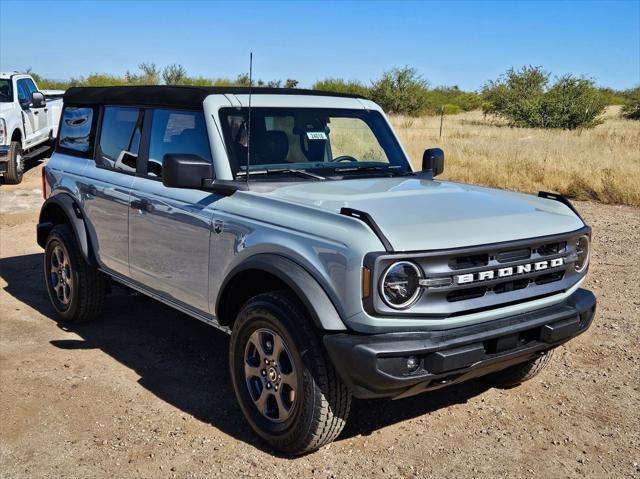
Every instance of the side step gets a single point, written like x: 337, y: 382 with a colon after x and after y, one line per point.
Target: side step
x: 36, y: 152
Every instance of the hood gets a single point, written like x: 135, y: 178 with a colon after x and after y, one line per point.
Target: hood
x: 417, y: 214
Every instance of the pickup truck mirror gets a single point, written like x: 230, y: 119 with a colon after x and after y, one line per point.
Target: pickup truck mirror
x: 433, y: 161
x: 37, y: 100
x: 185, y: 171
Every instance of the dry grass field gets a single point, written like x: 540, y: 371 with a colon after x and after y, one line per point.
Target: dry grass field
x: 601, y: 164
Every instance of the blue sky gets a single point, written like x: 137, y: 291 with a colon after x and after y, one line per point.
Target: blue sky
x: 461, y: 43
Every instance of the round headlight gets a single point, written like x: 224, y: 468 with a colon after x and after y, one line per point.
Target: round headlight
x: 399, y: 286
x: 582, y: 250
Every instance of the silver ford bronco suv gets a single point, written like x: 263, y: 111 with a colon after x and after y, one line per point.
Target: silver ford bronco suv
x: 294, y: 221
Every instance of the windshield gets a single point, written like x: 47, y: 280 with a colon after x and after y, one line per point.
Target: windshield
x: 6, y: 93
x: 327, y: 140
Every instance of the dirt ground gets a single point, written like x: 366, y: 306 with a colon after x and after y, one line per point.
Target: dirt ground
x: 144, y: 392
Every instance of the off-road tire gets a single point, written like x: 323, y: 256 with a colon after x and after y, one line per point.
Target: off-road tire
x: 87, y: 283
x: 519, y: 373
x: 322, y: 404
x: 15, y: 171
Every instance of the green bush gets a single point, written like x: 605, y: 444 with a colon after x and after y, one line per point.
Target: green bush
x: 401, y: 90
x: 338, y: 85
x: 448, y: 97
x: 174, y: 75
x: 450, y: 109
x: 149, y: 75
x: 525, y: 98
x: 631, y: 109
x: 612, y: 97
x: 98, y: 79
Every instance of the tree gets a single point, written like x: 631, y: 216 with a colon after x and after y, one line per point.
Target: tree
x: 174, y: 74
x: 401, y: 90
x: 149, y: 75
x: 339, y: 85
x: 525, y: 98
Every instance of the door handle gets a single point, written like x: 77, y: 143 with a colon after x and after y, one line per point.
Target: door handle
x: 89, y: 191
x: 36, y: 112
x: 142, y: 205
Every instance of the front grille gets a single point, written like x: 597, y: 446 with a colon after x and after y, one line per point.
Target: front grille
x: 510, y: 256
x: 549, y: 277
x: 465, y: 262
x: 465, y: 294
x: 514, y: 276
x: 552, y: 248
x: 509, y: 286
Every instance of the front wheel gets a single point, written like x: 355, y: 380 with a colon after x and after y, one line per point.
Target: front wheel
x: 285, y: 384
x: 15, y: 165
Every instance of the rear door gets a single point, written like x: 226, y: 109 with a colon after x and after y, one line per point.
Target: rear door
x: 170, y: 228
x: 107, y: 182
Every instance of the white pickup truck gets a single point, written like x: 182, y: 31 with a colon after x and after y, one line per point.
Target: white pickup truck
x: 29, y: 121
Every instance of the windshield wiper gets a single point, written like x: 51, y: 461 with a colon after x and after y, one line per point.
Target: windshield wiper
x: 391, y: 168
x: 274, y: 171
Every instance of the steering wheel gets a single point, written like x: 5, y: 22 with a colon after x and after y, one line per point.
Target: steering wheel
x: 344, y: 158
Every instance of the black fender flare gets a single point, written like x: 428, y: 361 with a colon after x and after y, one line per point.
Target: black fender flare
x: 312, y: 295
x: 71, y: 209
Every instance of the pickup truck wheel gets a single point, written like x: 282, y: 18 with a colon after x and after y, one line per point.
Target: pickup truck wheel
x: 15, y: 165
x: 519, y: 373
x: 76, y: 289
x: 285, y: 384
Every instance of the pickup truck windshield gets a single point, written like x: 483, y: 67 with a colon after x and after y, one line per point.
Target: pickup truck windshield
x: 6, y: 94
x: 332, y: 141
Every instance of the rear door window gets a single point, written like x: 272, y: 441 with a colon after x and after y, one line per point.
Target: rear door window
x: 176, y: 131
x: 120, y: 138
x: 76, y: 129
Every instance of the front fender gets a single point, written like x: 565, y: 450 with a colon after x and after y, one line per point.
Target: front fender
x: 51, y: 214
x: 323, y: 312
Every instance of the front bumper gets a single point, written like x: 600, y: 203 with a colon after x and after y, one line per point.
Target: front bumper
x: 376, y: 365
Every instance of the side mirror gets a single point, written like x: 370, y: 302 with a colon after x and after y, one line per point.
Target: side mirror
x: 37, y: 100
x: 185, y: 171
x: 433, y: 161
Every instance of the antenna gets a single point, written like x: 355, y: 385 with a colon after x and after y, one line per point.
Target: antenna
x: 249, y: 120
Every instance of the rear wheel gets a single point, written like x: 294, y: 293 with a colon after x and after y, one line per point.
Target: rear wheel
x: 15, y: 165
x: 76, y: 288
x: 285, y: 384
x: 519, y: 373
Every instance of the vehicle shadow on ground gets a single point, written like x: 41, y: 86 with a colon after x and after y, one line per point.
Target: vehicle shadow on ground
x: 184, y: 362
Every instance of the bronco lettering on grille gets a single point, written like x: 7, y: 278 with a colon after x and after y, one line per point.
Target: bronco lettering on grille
x: 508, y: 271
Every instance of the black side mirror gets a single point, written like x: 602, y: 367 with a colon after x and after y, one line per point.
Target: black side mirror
x: 37, y: 100
x: 433, y: 161
x: 185, y: 171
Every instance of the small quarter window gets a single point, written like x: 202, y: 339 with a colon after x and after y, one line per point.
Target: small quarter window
x: 174, y: 131
x: 75, y: 129
x: 120, y: 138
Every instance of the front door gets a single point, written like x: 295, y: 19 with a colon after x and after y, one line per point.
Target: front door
x: 30, y: 115
x: 41, y: 122
x: 170, y: 228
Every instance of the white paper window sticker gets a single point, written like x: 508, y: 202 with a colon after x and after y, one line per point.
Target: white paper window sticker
x: 316, y: 135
